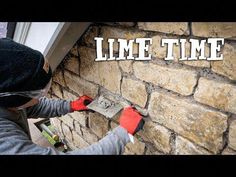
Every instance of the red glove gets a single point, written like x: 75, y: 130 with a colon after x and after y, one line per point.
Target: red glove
x: 131, y: 120
x: 81, y: 103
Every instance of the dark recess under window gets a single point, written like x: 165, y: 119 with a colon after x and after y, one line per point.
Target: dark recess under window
x: 11, y: 29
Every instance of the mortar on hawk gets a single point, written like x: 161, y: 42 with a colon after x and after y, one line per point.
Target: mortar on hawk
x: 109, y: 108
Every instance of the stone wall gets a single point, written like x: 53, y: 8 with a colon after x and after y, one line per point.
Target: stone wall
x: 191, y: 105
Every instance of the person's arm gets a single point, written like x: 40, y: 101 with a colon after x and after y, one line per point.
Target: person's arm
x: 47, y: 108
x: 112, y: 144
x: 13, y: 140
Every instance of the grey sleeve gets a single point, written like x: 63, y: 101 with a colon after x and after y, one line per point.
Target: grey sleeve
x: 14, y: 141
x: 47, y: 108
x: 112, y: 144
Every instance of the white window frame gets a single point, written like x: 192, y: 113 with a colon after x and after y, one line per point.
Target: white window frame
x: 61, y: 41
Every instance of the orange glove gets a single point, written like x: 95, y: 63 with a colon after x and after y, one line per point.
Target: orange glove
x: 81, y: 103
x: 131, y: 120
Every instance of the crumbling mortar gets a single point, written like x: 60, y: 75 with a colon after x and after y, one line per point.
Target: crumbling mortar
x: 82, y: 133
x: 208, y: 73
x: 196, y: 85
x: 145, y: 150
x: 87, y: 120
x: 109, y: 125
x: 172, y: 143
x: 190, y: 28
x: 121, y: 81
x: 61, y: 90
x: 136, y: 25
x: 149, y: 145
x: 226, y: 133
x: 55, y: 96
x: 225, y: 137
x: 149, y: 91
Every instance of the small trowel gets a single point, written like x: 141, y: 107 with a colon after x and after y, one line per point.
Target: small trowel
x: 107, y: 108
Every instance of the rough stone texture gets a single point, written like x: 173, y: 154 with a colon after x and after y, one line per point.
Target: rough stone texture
x: 185, y: 147
x: 67, y: 132
x: 80, y: 86
x: 69, y: 96
x: 203, y: 126
x: 126, y: 66
x: 106, y: 74
x: 196, y: 63
x: 161, y: 52
x: 71, y: 145
x: 78, y: 141
x: 178, y: 80
x: 72, y: 64
x: 77, y: 128
x: 118, y: 33
x: 54, y: 97
x: 136, y: 148
x: 227, y: 66
x: 74, y: 50
x: 80, y: 117
x: 216, y: 94
x: 124, y: 24
x: 134, y: 91
x: 232, y: 135
x: 58, y: 77
x: 98, y: 124
x: 228, y: 151
x: 56, y: 89
x: 55, y: 122
x: 165, y: 27
x: 158, y: 135
x: 214, y: 29
x: 88, y: 37
x: 151, y: 152
x: 113, y: 124
x: 89, y: 136
x: 67, y: 120
x: 127, y: 24
x: 89, y: 69
x: 57, y: 125
x: 197, y: 127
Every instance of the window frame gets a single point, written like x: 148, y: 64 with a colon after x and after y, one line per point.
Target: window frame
x: 60, y: 43
x: 11, y: 26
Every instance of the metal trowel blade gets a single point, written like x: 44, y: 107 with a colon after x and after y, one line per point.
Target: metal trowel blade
x: 105, y: 107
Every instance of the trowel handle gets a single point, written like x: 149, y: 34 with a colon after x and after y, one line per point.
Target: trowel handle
x: 141, y: 112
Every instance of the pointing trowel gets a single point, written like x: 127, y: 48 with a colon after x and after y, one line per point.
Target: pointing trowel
x: 109, y: 109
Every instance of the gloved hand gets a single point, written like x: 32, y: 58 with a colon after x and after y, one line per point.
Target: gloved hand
x: 131, y: 120
x: 81, y: 103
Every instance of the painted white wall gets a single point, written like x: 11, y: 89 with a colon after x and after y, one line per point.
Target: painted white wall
x: 39, y: 35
